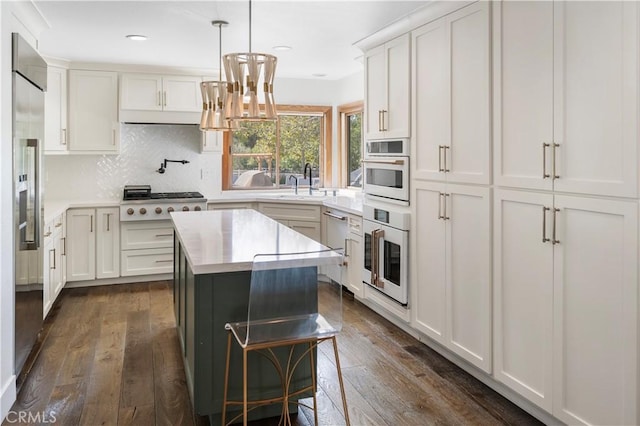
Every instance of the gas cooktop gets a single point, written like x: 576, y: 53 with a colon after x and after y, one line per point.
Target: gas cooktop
x: 173, y: 195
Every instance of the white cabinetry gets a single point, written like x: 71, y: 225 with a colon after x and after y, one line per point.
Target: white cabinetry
x: 54, y: 262
x: 451, y: 268
x: 341, y: 230
x: 387, y: 94
x: 301, y: 217
x: 566, y: 100
x: 93, y: 111
x: 211, y: 141
x: 451, y: 97
x: 55, y: 106
x: 566, y: 304
x: 92, y: 233
x: 160, y: 98
x: 147, y: 248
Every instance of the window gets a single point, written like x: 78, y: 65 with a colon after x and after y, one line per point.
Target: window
x: 269, y: 155
x: 350, y: 133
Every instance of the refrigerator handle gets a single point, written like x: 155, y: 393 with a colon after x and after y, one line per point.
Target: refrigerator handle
x: 35, y: 144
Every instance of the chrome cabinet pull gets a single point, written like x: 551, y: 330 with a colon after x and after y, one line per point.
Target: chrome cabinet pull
x: 63, y: 137
x: 335, y: 216
x: 445, y: 207
x: 164, y: 261
x: 64, y: 246
x: 446, y: 147
x: 379, y: 120
x: 158, y: 98
x: 164, y: 103
x: 440, y: 168
x: 555, y: 175
x: 54, y: 259
x: 345, y: 262
x: 108, y: 216
x: 164, y: 235
x: 384, y: 126
x: 544, y: 224
x: 544, y: 160
x: 91, y: 228
x: 555, y: 220
x: 440, y: 215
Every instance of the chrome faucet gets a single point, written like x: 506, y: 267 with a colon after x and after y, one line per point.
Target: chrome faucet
x: 308, y: 165
x: 295, y: 179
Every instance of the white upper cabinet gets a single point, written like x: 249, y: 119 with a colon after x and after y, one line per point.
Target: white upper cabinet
x: 55, y: 106
x: 387, y: 94
x: 566, y: 99
x: 93, y: 111
x: 153, y: 92
x: 451, y: 97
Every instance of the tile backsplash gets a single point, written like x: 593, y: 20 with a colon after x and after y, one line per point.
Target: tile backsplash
x: 143, y: 147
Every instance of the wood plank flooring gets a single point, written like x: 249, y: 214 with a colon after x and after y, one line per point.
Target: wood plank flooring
x: 111, y: 357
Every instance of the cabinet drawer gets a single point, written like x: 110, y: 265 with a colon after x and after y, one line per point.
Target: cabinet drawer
x: 290, y: 211
x: 229, y: 206
x: 147, y: 235
x: 146, y: 262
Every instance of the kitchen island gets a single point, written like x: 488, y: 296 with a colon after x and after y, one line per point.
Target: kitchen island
x: 213, y: 256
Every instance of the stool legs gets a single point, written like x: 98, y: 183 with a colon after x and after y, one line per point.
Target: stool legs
x: 226, y: 381
x: 344, y: 398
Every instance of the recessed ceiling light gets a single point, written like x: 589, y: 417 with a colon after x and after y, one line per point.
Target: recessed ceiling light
x: 319, y: 74
x: 136, y: 37
x: 282, y: 48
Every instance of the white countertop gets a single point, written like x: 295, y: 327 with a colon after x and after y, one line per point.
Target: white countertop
x: 227, y: 240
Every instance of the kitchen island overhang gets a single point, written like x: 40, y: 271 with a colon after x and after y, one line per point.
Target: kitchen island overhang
x: 213, y: 257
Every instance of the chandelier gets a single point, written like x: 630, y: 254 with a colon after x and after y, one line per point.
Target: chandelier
x: 257, y: 71
x: 214, y: 95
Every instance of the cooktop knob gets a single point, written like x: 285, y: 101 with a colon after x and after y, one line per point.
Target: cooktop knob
x: 158, y: 210
x: 197, y: 208
x: 185, y: 209
x: 170, y: 209
x: 143, y: 211
x: 129, y: 211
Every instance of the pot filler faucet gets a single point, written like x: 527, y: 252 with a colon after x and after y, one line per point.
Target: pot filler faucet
x: 163, y: 165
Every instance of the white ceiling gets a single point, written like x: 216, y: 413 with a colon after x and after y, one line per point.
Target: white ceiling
x: 180, y: 33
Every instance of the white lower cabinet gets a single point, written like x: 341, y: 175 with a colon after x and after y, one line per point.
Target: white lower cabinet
x: 566, y: 304
x: 93, y: 243
x: 451, y: 268
x: 300, y: 217
x: 147, y: 248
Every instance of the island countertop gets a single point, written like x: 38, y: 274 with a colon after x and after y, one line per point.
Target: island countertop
x: 218, y: 241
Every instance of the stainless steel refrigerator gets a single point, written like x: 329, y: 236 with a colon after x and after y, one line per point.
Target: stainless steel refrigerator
x: 29, y: 83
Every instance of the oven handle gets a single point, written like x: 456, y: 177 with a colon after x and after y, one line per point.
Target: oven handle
x: 379, y: 233
x: 392, y: 162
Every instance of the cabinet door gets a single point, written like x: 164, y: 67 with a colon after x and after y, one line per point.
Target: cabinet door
x: 47, y: 274
x: 55, y: 105
x: 211, y: 141
x: 467, y: 157
x: 430, y: 101
x: 396, y: 115
x: 141, y: 92
x: 596, y: 311
x: 310, y: 229
x: 468, y: 273
x: 523, y: 93
x: 523, y: 294
x: 181, y: 93
x: 428, y: 260
x: 81, y: 245
x: 108, y: 243
x: 375, y: 92
x: 596, y: 97
x: 355, y: 259
x: 93, y: 111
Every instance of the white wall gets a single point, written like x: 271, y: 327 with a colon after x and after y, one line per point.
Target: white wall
x: 142, y: 148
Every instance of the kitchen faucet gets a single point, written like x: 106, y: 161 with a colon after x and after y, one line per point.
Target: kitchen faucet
x: 295, y: 179
x: 163, y: 165
x: 308, y: 165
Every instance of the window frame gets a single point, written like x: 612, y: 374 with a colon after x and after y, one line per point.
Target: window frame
x: 326, y: 145
x: 344, y: 111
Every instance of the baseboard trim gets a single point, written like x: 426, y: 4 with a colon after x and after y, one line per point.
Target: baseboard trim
x: 119, y: 280
x: 7, y: 396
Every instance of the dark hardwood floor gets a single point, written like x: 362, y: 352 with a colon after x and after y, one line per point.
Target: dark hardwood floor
x: 111, y: 357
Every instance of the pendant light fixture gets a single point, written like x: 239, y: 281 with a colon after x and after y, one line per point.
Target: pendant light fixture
x: 257, y: 70
x: 214, y: 94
